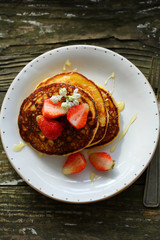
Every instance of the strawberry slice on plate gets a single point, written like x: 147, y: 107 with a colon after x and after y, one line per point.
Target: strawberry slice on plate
x: 77, y: 115
x: 101, y: 161
x: 75, y: 163
x: 51, y: 129
x: 52, y: 110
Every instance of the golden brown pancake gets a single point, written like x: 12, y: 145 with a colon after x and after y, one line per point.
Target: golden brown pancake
x: 114, y: 119
x: 78, y: 80
x: 71, y: 139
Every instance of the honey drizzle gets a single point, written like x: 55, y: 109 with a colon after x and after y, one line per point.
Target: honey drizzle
x: 112, y: 76
x: 121, y: 106
x: 123, y: 133
x: 18, y: 147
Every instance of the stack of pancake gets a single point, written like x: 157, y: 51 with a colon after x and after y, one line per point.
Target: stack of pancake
x: 102, y: 125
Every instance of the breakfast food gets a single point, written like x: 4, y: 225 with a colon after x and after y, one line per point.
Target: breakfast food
x: 75, y: 163
x: 43, y: 119
x: 78, y: 80
x: 109, y: 127
x: 102, y: 161
x: 114, y: 119
x: 67, y: 113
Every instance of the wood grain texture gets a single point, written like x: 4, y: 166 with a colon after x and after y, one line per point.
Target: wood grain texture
x: 37, y: 217
x: 29, y: 28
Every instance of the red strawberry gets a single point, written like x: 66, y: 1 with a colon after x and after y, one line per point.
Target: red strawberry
x: 101, y: 161
x: 52, y: 110
x: 77, y: 115
x: 50, y: 128
x: 75, y: 163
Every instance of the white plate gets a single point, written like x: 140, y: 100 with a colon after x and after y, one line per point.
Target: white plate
x: 132, y: 154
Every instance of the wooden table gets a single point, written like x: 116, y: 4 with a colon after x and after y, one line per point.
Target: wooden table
x: 30, y: 28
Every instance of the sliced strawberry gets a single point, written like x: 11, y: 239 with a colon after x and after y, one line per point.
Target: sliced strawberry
x: 77, y: 115
x: 52, y: 110
x: 51, y: 129
x: 75, y: 163
x: 101, y: 161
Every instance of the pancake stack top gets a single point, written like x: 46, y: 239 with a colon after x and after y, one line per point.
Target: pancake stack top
x: 101, y: 124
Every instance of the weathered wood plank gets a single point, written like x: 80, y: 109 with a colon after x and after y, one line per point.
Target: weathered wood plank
x: 32, y: 29
x: 120, y: 217
x: 76, y: 20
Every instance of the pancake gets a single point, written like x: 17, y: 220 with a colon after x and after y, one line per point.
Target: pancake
x: 78, y: 80
x: 114, y: 119
x: 71, y: 139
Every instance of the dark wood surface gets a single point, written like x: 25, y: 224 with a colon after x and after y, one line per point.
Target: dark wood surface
x: 30, y: 28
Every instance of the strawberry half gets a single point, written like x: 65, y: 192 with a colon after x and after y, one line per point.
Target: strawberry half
x: 52, y: 110
x: 101, y: 161
x: 50, y: 128
x: 77, y: 115
x: 75, y: 163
